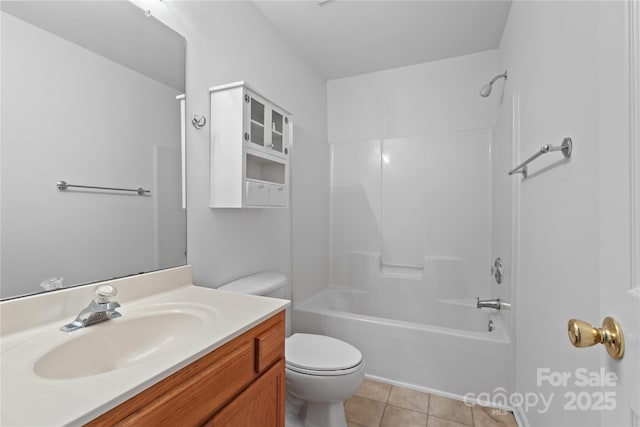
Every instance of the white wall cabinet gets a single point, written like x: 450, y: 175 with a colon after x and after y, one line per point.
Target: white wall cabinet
x: 250, y: 143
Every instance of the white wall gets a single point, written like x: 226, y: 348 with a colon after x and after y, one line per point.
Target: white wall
x: 227, y: 42
x: 69, y: 114
x: 438, y: 96
x: 550, y: 50
x: 411, y: 165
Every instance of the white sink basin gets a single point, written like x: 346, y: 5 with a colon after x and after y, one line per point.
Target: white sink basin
x: 122, y: 342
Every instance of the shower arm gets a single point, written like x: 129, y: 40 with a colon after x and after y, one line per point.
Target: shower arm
x: 493, y: 80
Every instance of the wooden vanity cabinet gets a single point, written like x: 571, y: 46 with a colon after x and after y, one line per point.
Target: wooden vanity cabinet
x: 240, y: 384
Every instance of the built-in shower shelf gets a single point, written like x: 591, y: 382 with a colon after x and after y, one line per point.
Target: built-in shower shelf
x: 402, y: 271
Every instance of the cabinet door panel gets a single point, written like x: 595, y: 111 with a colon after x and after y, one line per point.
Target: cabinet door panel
x: 257, y: 121
x: 276, y: 127
x: 277, y: 195
x: 257, y: 193
x: 261, y: 404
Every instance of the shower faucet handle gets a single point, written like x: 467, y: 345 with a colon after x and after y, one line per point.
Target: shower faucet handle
x: 496, y: 270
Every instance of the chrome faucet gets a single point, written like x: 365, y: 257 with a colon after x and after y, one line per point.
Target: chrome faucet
x: 100, y: 309
x: 496, y: 304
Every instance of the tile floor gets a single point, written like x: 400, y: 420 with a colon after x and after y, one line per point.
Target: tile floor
x: 378, y: 404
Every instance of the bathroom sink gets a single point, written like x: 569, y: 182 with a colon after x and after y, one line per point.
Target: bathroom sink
x: 122, y: 342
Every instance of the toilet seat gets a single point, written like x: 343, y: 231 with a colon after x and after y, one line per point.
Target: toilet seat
x: 321, y: 355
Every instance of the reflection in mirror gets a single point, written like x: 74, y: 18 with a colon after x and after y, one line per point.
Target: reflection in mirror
x: 88, y: 97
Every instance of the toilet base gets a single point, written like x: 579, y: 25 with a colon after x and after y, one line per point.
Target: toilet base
x: 325, y: 414
x: 300, y: 413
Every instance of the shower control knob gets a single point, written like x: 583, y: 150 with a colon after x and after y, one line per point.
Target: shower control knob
x: 496, y: 270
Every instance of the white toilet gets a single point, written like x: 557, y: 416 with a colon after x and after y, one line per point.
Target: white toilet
x: 321, y: 372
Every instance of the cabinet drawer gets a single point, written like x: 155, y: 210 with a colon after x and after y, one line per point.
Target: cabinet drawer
x: 256, y: 193
x: 269, y: 347
x: 193, y: 401
x: 277, y: 195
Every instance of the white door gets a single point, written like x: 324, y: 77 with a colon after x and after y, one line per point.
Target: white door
x: 619, y: 181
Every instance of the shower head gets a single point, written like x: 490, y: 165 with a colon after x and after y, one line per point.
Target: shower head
x: 486, y: 89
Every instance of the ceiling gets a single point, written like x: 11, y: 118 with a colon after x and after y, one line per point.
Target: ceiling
x: 345, y: 37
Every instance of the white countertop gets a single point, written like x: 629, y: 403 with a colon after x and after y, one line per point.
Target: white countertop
x: 28, y: 399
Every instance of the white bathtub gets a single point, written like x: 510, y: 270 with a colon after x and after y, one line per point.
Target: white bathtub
x: 442, y: 346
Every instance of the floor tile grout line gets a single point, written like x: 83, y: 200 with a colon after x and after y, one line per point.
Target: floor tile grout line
x: 382, y: 417
x: 406, y: 409
x: 450, y: 420
x: 388, y: 395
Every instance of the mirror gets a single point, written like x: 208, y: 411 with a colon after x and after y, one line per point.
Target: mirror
x: 89, y: 96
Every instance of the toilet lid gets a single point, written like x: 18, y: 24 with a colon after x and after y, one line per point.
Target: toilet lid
x: 308, y: 352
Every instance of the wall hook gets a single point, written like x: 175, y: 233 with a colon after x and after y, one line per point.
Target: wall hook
x: 198, y: 121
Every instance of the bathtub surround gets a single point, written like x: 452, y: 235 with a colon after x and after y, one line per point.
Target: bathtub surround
x: 388, y: 198
x: 397, y: 136
x: 412, y: 220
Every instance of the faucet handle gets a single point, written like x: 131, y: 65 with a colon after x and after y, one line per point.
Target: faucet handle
x: 104, y: 293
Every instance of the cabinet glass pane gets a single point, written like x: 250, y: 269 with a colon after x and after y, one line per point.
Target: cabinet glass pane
x: 276, y: 131
x: 257, y: 111
x: 276, y: 121
x: 257, y: 133
x: 276, y: 140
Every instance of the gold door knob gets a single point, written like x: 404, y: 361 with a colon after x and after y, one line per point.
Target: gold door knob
x: 583, y: 334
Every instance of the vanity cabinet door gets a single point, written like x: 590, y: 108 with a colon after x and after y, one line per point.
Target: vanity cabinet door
x: 261, y: 404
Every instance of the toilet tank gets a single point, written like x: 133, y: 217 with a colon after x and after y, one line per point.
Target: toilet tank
x: 267, y: 283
